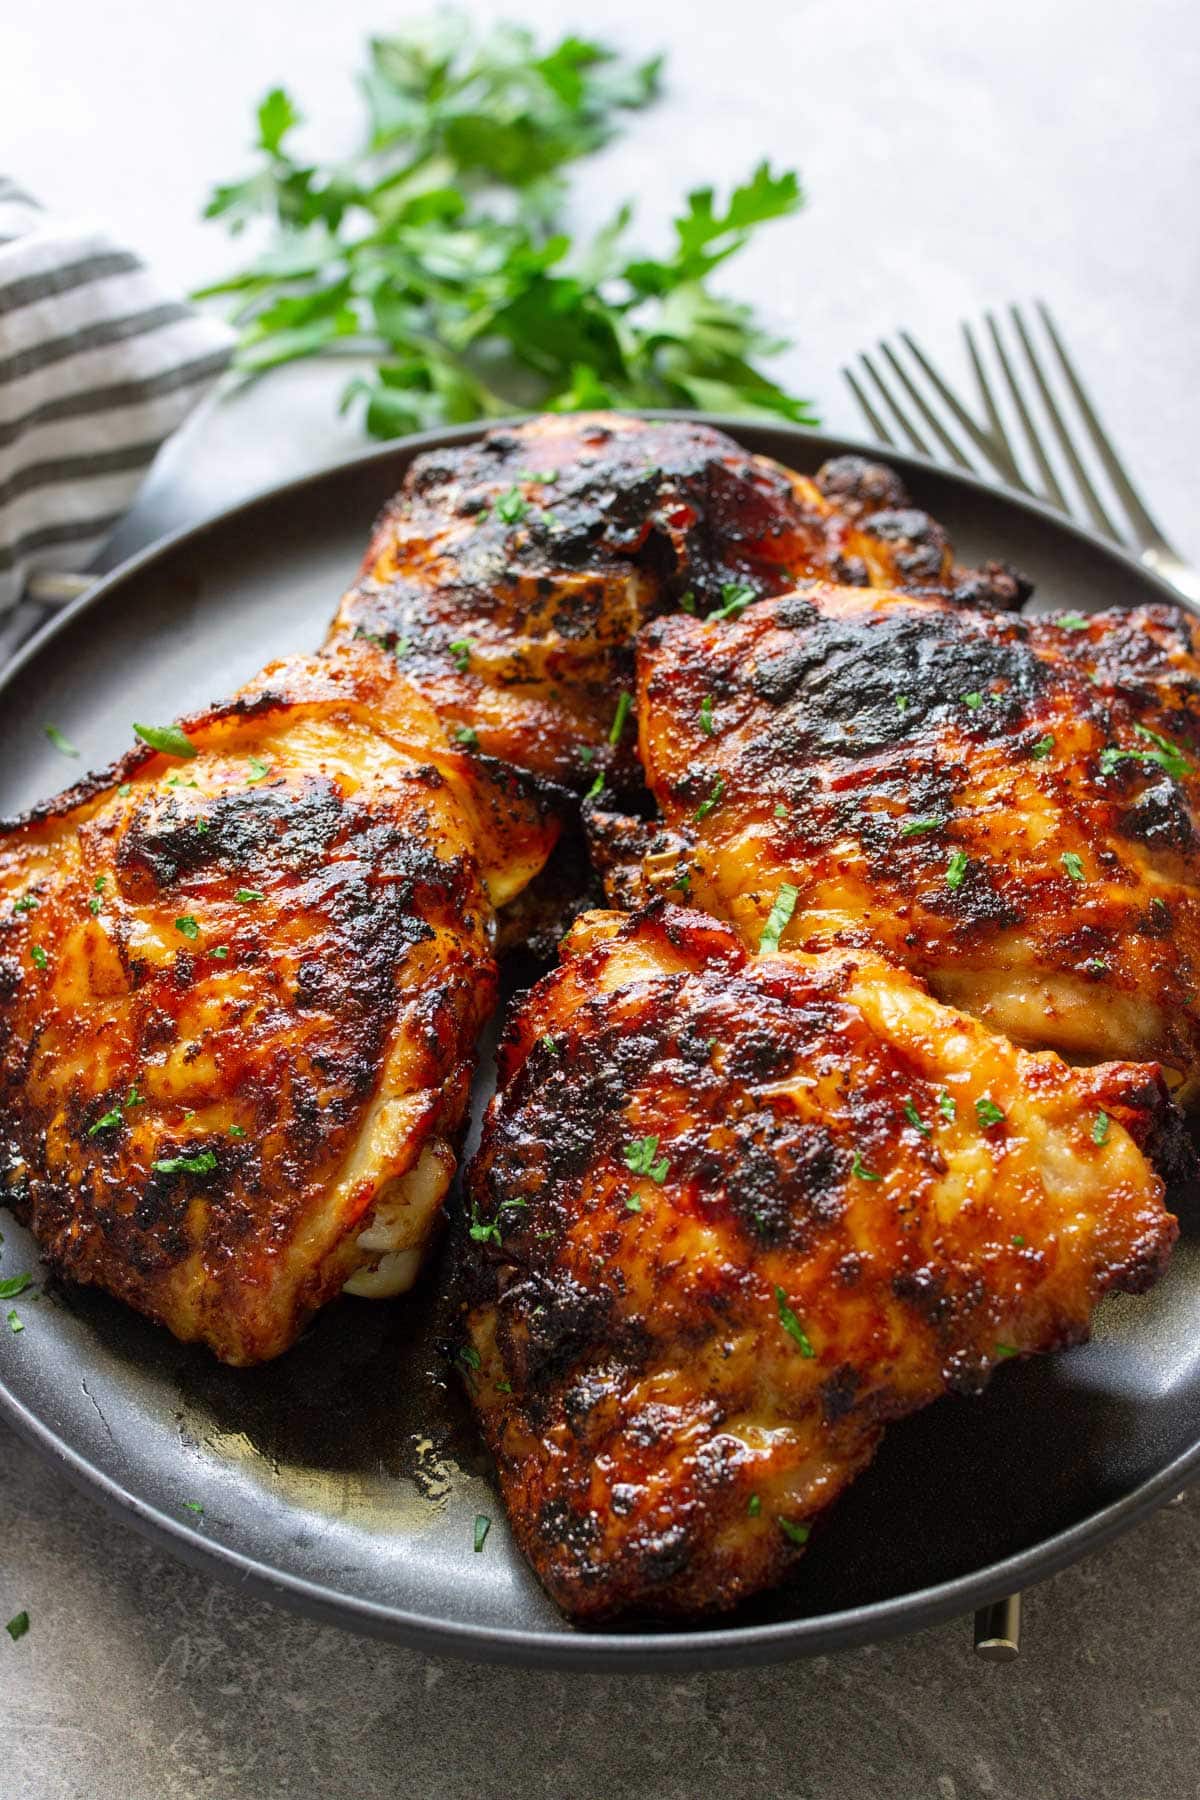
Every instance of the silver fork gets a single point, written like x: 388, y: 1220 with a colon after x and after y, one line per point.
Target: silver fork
x: 912, y: 391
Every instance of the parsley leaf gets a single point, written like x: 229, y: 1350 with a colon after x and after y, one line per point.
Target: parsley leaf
x: 781, y: 911
x: 947, y: 1106
x: 460, y: 650
x: 168, y: 739
x: 735, y: 598
x: 706, y: 716
x: 642, y: 1158
x: 915, y: 1120
x: 1043, y: 747
x: 1072, y: 862
x: 616, y: 729
x: 482, y: 1526
x: 956, y: 869
x: 1166, y: 755
x: 248, y: 896
x: 13, y: 1285
x: 918, y: 827
x: 203, y: 1163
x: 187, y: 926
x: 108, y: 1122
x: 511, y: 506
x: 60, y: 741
x: 791, y: 1324
x: 1071, y: 621
x: 1100, y: 1128
x: 18, y: 1626
x: 706, y: 806
x: 859, y: 1169
x: 38, y: 956
x: 988, y: 1113
x: 799, y: 1534
x: 259, y: 770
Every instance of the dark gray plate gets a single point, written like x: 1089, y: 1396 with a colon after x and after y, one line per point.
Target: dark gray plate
x: 345, y: 1478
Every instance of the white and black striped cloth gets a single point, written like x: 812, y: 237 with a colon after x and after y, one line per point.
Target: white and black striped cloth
x: 98, y: 366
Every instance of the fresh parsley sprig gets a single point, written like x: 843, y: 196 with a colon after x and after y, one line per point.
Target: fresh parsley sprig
x: 438, y: 249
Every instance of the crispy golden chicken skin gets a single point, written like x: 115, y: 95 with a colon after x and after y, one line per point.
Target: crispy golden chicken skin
x: 239, y: 996
x: 730, y: 1215
x: 510, y: 576
x: 1005, y: 804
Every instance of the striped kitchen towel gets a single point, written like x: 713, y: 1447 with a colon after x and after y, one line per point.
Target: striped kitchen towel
x: 98, y: 366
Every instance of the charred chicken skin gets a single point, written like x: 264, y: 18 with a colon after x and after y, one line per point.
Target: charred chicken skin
x: 239, y: 996
x: 511, y: 576
x: 732, y: 1214
x: 1006, y: 805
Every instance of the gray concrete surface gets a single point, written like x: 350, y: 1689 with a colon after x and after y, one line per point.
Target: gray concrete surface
x: 956, y: 156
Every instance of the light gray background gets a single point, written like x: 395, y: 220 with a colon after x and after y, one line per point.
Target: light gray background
x: 957, y: 154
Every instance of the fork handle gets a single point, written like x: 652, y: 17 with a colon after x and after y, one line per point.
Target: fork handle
x: 1176, y: 573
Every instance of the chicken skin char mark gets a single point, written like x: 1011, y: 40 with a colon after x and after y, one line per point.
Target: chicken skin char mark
x: 1005, y: 804
x: 732, y: 1214
x: 239, y: 999
x: 512, y: 575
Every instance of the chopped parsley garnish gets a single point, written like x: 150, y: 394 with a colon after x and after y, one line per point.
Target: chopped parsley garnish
x: 15, y: 1322
x: 482, y: 1526
x: 735, y: 598
x: 193, y: 1506
x: 491, y: 1231
x: 596, y: 789
x: 706, y: 806
x: 26, y: 904
x: 706, y: 718
x: 754, y: 1506
x: 1043, y: 747
x: 203, y: 1163
x: 781, y: 811
x: 586, y: 753
x: 512, y: 506
x: 617, y: 727
x: 642, y: 1158
x: 859, y: 1168
x: 956, y: 869
x: 915, y: 1120
x: 133, y: 1098
x: 1071, y: 621
x: 237, y: 1131
x: 59, y: 740
x: 460, y: 650
x: 468, y: 1356
x: 550, y: 1044
x: 100, y: 883
x: 1100, y: 1128
x: 13, y: 1285
x: 1097, y: 966
x: 259, y: 770
x: 111, y: 1119
x: 1072, y: 862
x: 94, y: 907
x: 221, y: 950
x: 187, y: 926
x: 177, y: 781
x: 687, y: 602
x: 125, y: 789
x: 988, y: 1113
x: 973, y: 701
x: 682, y: 879
x: 546, y: 475
x: 777, y: 919
x: 1003, y: 1350
x: 18, y: 1626
x: 918, y: 827
x: 1168, y: 756
x: 902, y: 703
x: 168, y: 739
x: 247, y: 896
x: 799, y: 1534
x: 1018, y: 1242
x: 467, y: 736
x: 791, y: 1324
x: 633, y: 1203
x: 947, y: 1106
x: 504, y: 1387
x: 38, y: 957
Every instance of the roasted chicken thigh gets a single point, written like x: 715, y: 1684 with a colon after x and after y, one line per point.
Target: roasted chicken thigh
x: 1005, y: 804
x: 240, y: 987
x: 732, y: 1214
x: 511, y: 576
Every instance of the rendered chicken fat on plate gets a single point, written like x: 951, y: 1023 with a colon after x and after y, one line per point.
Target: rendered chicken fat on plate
x: 732, y: 1214
x: 239, y: 997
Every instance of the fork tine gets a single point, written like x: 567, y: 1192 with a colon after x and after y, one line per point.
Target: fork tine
x: 1091, y: 498
x: 905, y: 423
x: 996, y: 452
x: 1050, y: 488
x: 1130, y: 499
x: 944, y: 439
x: 995, y: 417
x: 873, y: 419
